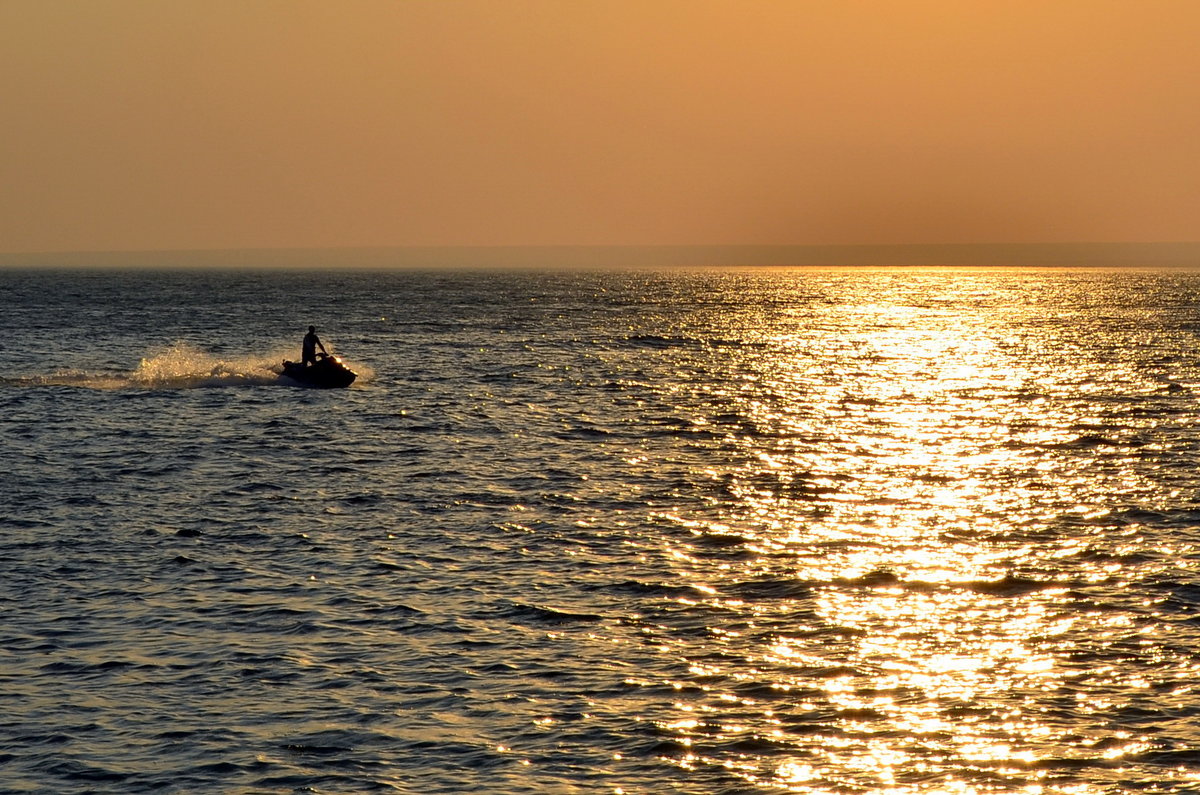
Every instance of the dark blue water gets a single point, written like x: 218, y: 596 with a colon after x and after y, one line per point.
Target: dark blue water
x: 814, y: 531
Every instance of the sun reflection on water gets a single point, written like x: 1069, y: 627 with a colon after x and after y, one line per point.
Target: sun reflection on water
x: 898, y: 496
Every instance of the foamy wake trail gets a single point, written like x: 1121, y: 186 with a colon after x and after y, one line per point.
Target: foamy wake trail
x: 77, y: 378
x: 182, y: 366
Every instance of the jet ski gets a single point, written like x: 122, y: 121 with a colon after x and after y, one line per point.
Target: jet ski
x: 327, y: 373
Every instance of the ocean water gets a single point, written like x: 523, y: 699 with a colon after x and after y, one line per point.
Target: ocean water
x: 716, y: 531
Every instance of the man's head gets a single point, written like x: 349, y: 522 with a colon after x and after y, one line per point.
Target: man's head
x: 312, y: 329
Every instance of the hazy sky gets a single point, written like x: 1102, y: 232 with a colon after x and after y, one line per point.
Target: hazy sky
x: 245, y: 123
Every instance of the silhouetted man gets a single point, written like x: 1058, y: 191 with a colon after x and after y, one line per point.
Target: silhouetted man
x: 308, y: 354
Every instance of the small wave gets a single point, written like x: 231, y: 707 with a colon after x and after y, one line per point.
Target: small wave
x: 523, y: 613
x: 771, y: 588
x: 660, y: 341
x: 1012, y: 585
x: 1181, y: 517
x: 641, y: 588
x: 684, y: 341
x: 721, y: 540
x: 1091, y: 440
x: 74, y: 771
x: 1182, y: 757
x: 1009, y: 585
x: 879, y: 578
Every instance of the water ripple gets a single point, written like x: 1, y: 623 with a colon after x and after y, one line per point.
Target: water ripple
x: 813, y: 531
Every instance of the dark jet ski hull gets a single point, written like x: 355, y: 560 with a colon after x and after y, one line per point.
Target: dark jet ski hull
x: 327, y: 373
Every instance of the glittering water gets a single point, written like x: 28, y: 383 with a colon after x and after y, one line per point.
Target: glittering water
x: 813, y: 531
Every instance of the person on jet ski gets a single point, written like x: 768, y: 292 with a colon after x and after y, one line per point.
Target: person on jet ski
x: 308, y: 353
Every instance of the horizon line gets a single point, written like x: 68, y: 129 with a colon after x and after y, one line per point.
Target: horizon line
x: 1128, y: 253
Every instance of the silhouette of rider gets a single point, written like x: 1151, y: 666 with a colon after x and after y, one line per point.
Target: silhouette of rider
x: 308, y: 353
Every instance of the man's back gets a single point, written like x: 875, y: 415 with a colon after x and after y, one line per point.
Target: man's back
x: 308, y: 352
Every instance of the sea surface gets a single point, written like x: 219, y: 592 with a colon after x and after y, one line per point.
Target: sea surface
x: 695, y: 531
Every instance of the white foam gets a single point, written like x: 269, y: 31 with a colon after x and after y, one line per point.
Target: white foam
x: 180, y: 366
x: 183, y: 366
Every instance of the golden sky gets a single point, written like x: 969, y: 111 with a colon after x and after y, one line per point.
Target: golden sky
x: 131, y: 124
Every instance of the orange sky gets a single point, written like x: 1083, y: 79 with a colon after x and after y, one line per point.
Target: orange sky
x: 134, y: 124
